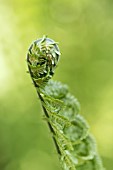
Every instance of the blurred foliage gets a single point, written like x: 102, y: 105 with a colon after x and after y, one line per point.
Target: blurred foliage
x: 84, y: 30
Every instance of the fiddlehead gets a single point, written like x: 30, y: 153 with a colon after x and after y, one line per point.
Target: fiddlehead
x: 74, y: 144
x: 42, y: 59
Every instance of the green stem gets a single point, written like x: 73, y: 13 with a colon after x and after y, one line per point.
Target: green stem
x: 50, y: 127
x: 46, y: 114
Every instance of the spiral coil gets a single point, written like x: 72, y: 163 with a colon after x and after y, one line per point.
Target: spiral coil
x: 43, y: 56
x: 75, y: 145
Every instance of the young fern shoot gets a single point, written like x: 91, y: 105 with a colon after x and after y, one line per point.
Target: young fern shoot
x: 74, y: 144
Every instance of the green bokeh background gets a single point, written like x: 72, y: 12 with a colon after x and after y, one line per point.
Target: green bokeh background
x: 84, y: 30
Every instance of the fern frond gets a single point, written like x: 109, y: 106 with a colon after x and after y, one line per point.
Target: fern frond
x: 70, y: 131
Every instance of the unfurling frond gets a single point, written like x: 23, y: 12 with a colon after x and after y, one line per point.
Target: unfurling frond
x: 75, y: 145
